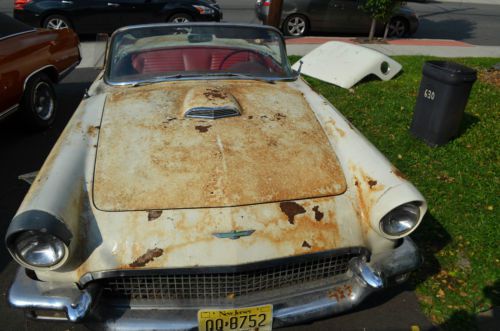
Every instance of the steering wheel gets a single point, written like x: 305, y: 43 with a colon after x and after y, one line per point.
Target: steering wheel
x: 262, y: 59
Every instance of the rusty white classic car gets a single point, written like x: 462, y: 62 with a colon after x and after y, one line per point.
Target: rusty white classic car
x: 203, y: 184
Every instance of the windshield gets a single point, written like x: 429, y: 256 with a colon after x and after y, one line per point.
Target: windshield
x: 152, y: 53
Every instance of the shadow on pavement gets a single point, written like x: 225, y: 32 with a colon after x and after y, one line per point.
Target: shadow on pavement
x: 455, y: 29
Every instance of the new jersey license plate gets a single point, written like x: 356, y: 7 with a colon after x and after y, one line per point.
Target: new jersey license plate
x: 241, y: 319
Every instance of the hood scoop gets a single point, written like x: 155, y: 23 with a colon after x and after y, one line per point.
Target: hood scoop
x: 210, y: 103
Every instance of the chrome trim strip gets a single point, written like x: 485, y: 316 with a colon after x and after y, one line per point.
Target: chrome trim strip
x: 17, y: 34
x: 9, y: 111
x: 218, y: 24
x: 35, y: 72
x: 229, y: 77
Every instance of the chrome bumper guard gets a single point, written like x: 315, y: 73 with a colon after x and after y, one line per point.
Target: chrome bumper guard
x: 68, y: 302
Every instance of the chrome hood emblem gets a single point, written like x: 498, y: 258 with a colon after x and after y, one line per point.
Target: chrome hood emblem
x: 234, y: 234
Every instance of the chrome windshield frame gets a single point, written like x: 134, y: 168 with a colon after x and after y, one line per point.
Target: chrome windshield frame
x: 291, y: 74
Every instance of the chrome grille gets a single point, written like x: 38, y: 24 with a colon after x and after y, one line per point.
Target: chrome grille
x: 220, y: 285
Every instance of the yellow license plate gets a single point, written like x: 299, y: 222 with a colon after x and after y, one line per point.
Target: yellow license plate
x: 240, y: 319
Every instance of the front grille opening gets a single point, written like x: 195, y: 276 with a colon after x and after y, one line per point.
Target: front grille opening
x: 223, y: 285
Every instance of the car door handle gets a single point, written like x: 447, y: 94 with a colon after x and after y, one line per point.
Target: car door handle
x: 111, y: 4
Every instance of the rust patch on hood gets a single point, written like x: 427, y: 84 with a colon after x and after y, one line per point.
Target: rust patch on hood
x: 154, y: 214
x: 318, y: 215
x: 291, y: 209
x: 147, y: 257
x: 235, y: 162
x: 202, y: 128
x: 214, y: 93
x: 92, y: 130
x: 372, y: 183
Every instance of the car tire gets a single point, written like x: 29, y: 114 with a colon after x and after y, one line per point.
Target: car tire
x: 295, y: 25
x: 39, y: 102
x: 180, y: 18
x: 56, y: 22
x: 398, y: 28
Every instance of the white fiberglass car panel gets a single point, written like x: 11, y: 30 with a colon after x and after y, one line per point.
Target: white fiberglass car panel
x: 345, y: 64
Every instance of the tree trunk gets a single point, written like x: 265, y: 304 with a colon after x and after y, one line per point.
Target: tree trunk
x: 372, y: 29
x: 274, y: 16
x: 386, y: 30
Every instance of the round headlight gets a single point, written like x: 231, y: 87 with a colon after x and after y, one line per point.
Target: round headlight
x: 39, y: 249
x: 401, y: 219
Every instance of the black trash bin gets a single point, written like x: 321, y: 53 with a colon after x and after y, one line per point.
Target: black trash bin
x: 444, y: 91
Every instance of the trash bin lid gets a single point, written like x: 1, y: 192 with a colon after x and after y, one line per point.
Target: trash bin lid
x: 449, y: 72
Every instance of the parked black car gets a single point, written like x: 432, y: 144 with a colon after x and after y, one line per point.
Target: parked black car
x: 345, y: 16
x: 95, y: 16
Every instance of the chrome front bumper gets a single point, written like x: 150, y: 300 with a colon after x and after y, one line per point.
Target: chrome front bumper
x: 55, y: 301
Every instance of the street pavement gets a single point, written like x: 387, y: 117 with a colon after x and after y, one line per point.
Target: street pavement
x: 473, y: 21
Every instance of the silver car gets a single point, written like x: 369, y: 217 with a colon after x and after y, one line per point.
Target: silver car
x: 299, y: 17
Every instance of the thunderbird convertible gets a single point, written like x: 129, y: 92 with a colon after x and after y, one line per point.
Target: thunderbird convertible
x: 203, y: 184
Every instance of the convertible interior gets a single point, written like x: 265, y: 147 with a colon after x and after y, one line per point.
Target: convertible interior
x: 199, y: 59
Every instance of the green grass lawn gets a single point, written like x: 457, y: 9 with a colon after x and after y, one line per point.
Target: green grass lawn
x: 459, y: 236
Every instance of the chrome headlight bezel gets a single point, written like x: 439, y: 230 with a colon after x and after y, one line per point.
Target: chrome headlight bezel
x: 39, y: 250
x: 403, y: 219
x: 32, y: 224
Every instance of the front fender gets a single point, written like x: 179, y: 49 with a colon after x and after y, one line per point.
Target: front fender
x: 58, y: 192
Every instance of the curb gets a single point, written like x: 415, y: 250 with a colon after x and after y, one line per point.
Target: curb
x: 461, y: 2
x: 406, y: 42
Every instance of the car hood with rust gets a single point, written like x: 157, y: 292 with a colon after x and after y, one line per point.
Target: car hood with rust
x: 150, y: 156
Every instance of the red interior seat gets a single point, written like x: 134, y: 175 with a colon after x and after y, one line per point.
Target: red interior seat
x: 189, y: 59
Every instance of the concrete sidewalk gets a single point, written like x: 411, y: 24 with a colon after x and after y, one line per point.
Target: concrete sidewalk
x: 431, y: 47
x: 93, y: 52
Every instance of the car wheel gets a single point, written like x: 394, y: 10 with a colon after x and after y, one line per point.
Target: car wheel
x: 398, y: 27
x: 295, y: 25
x: 56, y: 22
x: 39, y: 102
x: 180, y: 18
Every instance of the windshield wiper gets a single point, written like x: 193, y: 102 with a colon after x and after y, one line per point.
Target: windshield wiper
x: 178, y: 76
x: 234, y: 74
